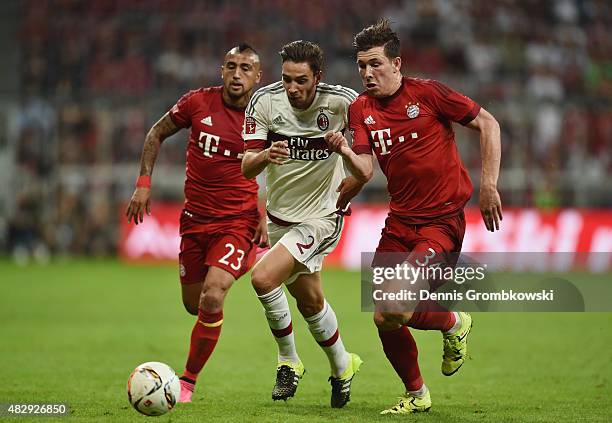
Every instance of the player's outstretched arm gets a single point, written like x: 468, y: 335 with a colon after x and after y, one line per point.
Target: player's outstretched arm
x: 490, y: 152
x: 256, y: 160
x: 360, y: 165
x: 141, y: 198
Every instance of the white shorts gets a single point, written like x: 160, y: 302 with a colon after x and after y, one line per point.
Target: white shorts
x: 310, y: 241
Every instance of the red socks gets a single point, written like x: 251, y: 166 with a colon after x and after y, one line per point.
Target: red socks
x: 432, y: 320
x: 401, y: 350
x: 204, y: 337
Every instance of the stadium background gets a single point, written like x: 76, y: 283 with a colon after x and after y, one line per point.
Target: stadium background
x: 82, y: 81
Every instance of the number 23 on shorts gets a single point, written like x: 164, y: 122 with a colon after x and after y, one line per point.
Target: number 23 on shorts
x: 233, y: 257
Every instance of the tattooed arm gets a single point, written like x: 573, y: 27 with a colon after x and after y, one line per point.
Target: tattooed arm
x: 162, y: 129
x: 141, y: 199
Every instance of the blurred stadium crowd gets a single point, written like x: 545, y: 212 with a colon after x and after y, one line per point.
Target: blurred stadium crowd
x: 94, y: 75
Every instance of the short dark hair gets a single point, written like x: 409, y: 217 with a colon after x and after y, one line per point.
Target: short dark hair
x: 244, y: 47
x: 379, y: 34
x: 241, y: 48
x: 303, y: 51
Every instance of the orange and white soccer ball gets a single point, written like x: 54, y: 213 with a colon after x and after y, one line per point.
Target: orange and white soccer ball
x: 153, y: 388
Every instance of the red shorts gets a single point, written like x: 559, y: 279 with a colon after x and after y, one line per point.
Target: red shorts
x: 224, y: 244
x: 442, y: 235
x: 434, y: 244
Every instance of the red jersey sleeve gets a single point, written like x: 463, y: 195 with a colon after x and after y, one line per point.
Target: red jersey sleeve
x: 359, y: 132
x: 180, y: 113
x: 451, y: 104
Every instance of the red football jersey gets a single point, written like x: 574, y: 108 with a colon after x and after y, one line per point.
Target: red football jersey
x: 411, y: 133
x: 214, y: 184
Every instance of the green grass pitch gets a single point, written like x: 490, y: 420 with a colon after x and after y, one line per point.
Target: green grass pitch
x: 72, y: 332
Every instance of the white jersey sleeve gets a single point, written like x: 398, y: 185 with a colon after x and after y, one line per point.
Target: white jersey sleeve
x: 257, y: 115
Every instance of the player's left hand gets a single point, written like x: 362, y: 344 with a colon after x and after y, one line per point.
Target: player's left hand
x: 139, y: 204
x: 261, y: 233
x: 490, y: 207
x: 348, y: 188
x: 336, y: 141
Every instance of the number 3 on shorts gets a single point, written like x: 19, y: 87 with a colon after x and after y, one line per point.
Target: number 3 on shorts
x: 231, y: 251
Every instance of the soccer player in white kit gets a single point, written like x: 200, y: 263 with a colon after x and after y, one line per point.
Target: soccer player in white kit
x: 284, y: 130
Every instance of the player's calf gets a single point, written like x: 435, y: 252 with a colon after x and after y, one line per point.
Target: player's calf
x: 309, y: 303
x: 289, y: 369
x: 204, y: 337
x: 191, y: 293
x: 207, y: 328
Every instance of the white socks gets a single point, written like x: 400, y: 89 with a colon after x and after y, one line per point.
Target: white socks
x: 323, y: 326
x: 420, y: 393
x: 277, y: 312
x: 324, y: 329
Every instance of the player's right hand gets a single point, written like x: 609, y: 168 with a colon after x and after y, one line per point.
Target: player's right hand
x: 261, y: 233
x: 336, y: 141
x: 490, y: 207
x: 139, y: 204
x: 278, y: 152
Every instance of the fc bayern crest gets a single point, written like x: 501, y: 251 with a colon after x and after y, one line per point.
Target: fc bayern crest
x: 322, y: 121
x: 412, y: 111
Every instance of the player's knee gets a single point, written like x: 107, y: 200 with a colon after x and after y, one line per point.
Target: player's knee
x: 261, y: 280
x: 397, y: 318
x: 387, y: 321
x: 379, y: 319
x: 212, y: 299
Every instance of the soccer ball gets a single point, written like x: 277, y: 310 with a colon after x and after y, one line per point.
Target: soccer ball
x: 153, y: 388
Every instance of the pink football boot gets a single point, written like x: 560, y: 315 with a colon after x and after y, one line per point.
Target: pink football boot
x: 186, y: 391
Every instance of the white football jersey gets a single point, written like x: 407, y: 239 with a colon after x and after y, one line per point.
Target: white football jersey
x: 304, y: 187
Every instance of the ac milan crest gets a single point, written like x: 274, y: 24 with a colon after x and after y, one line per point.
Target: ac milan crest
x: 412, y: 110
x: 322, y: 121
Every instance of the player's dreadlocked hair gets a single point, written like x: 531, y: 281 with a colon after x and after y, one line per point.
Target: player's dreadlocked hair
x: 379, y: 34
x: 303, y: 51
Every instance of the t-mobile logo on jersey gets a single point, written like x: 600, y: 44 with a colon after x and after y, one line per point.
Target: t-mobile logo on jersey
x: 382, y: 139
x: 210, y: 145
